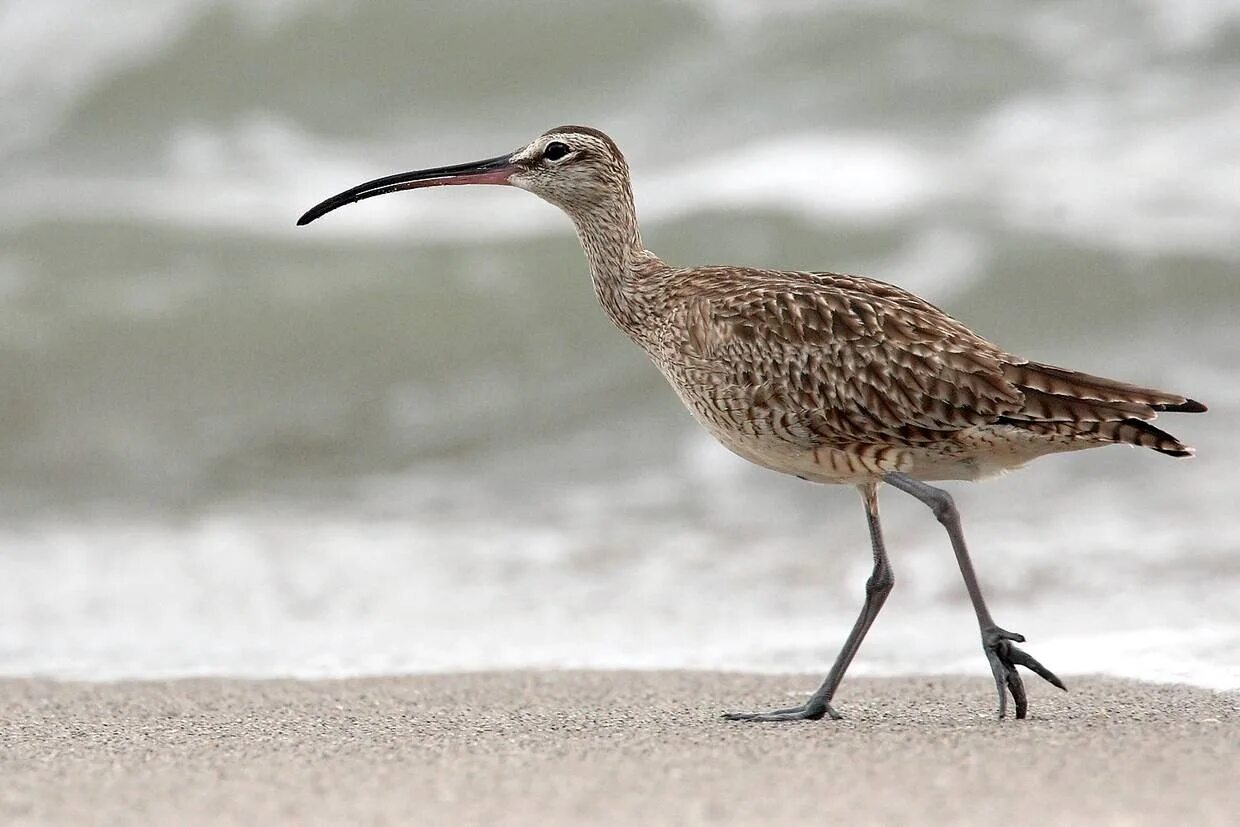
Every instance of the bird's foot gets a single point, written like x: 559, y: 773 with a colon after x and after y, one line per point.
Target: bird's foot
x: 812, y: 710
x: 1000, y: 648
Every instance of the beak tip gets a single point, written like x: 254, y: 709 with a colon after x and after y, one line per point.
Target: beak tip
x: 312, y: 214
x: 490, y: 171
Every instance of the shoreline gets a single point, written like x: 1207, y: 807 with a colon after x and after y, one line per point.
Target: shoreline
x: 553, y: 748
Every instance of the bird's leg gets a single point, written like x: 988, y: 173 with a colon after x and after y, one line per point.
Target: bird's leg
x: 998, y: 644
x: 876, y: 590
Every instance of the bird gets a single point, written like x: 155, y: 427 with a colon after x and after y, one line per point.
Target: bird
x: 833, y: 378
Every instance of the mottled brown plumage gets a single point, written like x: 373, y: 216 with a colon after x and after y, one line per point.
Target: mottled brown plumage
x: 833, y: 378
x: 821, y: 362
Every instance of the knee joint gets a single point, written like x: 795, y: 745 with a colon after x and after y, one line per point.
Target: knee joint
x: 943, y: 506
x: 880, y: 582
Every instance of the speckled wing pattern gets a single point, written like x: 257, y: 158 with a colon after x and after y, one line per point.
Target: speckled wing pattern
x: 822, y: 358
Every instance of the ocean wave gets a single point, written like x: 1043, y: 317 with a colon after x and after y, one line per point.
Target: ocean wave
x: 1147, y: 180
x: 1080, y: 136
x: 327, y: 593
x: 90, y: 44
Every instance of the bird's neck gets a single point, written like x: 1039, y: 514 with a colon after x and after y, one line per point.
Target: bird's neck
x: 617, y: 257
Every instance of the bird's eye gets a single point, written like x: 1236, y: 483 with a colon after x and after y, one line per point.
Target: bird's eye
x: 555, y: 150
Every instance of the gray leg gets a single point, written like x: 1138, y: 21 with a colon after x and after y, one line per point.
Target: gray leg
x: 998, y: 644
x: 876, y: 590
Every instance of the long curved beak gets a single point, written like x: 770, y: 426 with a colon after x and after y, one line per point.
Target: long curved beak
x: 491, y: 171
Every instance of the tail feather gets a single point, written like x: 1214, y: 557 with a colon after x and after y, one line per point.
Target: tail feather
x: 1067, y: 403
x: 1070, y: 383
x: 1046, y: 407
x: 1187, y: 406
x: 1121, y: 432
x: 1144, y: 435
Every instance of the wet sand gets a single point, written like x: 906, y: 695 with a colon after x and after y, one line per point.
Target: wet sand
x: 569, y: 748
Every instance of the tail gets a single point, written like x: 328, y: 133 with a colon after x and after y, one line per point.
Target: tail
x: 1066, y: 403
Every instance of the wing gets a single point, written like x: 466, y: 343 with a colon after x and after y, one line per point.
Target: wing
x: 826, y: 357
x: 820, y: 358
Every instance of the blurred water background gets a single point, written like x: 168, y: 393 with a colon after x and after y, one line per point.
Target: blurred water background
x: 406, y: 439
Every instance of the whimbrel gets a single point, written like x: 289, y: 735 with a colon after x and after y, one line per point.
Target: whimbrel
x: 832, y: 378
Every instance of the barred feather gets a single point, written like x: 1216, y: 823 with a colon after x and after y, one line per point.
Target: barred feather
x: 1069, y: 383
x: 835, y: 360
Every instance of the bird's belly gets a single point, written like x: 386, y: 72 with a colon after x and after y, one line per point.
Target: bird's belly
x: 841, y: 464
x: 970, y: 454
x: 823, y: 464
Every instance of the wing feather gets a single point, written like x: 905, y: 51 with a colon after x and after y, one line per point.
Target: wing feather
x: 849, y: 359
x: 823, y: 358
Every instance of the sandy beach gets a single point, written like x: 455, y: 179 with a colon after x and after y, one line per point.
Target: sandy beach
x: 610, y: 748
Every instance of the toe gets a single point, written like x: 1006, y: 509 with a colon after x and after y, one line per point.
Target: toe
x: 993, y: 635
x: 809, y: 712
x: 999, y: 670
x: 1020, y: 657
x: 1017, y: 687
x: 779, y: 715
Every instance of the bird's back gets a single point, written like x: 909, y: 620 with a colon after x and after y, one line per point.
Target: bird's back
x: 842, y: 377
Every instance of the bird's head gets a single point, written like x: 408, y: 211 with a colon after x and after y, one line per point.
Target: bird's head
x: 577, y: 168
x: 573, y: 167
